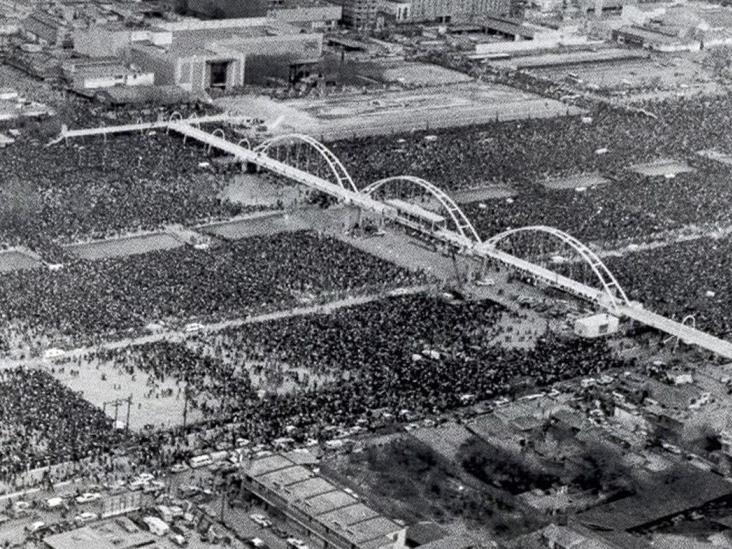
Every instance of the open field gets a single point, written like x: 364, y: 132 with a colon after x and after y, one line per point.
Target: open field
x: 13, y: 260
x: 118, y: 247
x: 99, y: 384
x: 270, y: 223
x: 717, y: 156
x: 677, y: 73
x: 411, y: 73
x: 574, y: 182
x: 385, y: 112
x: 662, y: 167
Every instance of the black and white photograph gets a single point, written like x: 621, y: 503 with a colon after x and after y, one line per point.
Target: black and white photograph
x: 366, y: 274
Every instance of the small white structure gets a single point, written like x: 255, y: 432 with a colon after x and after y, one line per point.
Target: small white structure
x: 596, y: 325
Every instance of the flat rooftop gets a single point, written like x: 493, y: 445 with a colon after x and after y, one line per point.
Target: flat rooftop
x: 104, y: 535
x: 322, y: 500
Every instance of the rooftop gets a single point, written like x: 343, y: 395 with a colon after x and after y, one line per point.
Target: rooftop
x: 105, y: 535
x: 321, y: 500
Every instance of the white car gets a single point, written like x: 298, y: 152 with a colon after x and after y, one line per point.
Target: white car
x: 261, y: 520
x: 296, y: 543
x: 36, y: 526
x: 179, y: 468
x: 137, y: 484
x: 88, y: 497
x: 86, y: 516
x: 154, y: 486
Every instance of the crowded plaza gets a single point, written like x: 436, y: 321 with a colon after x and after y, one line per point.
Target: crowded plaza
x: 307, y: 376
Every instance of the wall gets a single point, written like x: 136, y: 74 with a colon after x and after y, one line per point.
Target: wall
x: 149, y: 61
x: 321, y: 16
x: 102, y: 42
x: 229, y: 8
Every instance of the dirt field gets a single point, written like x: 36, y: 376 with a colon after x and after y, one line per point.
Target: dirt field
x: 663, y: 167
x: 117, y: 247
x: 680, y: 72
x: 387, y: 112
x: 413, y: 73
x: 585, y: 180
x: 13, y: 260
x: 157, y: 411
x: 260, y: 225
x: 721, y: 157
x: 489, y: 192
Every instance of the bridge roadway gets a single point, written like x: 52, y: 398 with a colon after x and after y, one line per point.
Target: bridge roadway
x: 685, y: 333
x: 260, y: 159
x: 143, y: 126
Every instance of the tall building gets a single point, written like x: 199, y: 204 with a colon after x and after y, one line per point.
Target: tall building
x: 365, y: 13
x: 359, y: 13
x: 309, y: 13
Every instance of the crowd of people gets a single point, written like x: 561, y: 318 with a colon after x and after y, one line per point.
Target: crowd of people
x: 88, y: 300
x: 693, y: 277
x: 43, y: 422
x: 420, y: 355
x: 96, y: 187
x: 522, y: 154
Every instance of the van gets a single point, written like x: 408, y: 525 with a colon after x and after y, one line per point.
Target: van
x: 156, y: 526
x: 200, y: 461
x: 193, y: 327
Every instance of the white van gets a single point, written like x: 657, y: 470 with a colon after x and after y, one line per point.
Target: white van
x: 156, y: 525
x: 193, y: 327
x: 200, y: 461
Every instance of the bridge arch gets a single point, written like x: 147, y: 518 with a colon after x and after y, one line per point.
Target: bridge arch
x: 338, y: 170
x: 610, y: 285
x: 462, y: 223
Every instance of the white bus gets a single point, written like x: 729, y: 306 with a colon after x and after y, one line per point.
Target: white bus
x: 200, y: 461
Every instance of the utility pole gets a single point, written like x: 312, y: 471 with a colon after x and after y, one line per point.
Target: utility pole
x: 185, y: 405
x: 117, y: 403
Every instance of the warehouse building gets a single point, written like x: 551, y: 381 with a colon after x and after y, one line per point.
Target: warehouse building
x: 199, y: 55
x: 312, y: 14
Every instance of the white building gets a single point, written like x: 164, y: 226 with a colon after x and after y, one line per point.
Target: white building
x: 596, y: 325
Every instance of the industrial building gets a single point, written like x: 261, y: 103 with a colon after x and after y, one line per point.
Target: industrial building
x: 103, y: 72
x: 199, y: 55
x: 312, y: 14
x: 369, y: 13
x: 335, y: 517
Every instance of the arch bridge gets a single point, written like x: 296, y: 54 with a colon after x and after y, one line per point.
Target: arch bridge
x: 340, y: 185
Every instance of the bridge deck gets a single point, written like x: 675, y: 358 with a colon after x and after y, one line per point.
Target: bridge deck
x: 362, y: 200
x: 685, y: 333
x: 143, y: 126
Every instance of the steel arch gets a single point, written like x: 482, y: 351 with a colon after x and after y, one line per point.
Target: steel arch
x: 463, y: 224
x: 339, y: 171
x: 218, y: 132
x: 609, y: 283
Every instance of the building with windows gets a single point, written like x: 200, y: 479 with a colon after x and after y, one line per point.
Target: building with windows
x: 314, y: 14
x: 198, y: 55
x: 368, y: 13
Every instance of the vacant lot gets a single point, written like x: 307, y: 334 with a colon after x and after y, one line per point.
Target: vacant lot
x: 13, y: 260
x: 118, y: 247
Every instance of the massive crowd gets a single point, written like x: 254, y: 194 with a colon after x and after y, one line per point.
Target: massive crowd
x: 408, y: 357
x: 89, y: 299
x: 95, y: 187
x: 685, y: 278
x: 524, y: 153
x: 414, y: 355
x: 43, y: 422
